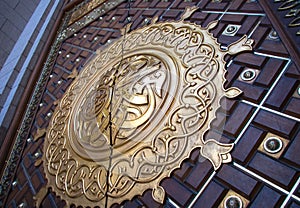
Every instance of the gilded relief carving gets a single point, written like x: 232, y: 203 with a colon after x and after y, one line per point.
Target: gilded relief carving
x: 84, y: 9
x: 136, y: 111
x: 292, y: 9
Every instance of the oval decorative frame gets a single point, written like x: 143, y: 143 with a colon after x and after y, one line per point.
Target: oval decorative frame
x: 136, y: 111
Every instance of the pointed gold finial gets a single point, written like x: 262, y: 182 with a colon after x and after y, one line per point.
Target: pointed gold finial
x: 158, y: 194
x: 40, y: 196
x: 188, y: 12
x: 217, y: 153
x: 73, y: 74
x: 126, y: 29
x: 56, y: 102
x: 212, y: 25
x: 154, y: 20
x: 38, y: 162
x: 39, y: 133
x: 243, y: 44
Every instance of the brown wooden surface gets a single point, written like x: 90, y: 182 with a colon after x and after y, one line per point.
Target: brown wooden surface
x: 277, y: 113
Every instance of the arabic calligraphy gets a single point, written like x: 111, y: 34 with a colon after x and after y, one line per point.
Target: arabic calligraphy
x: 136, y: 111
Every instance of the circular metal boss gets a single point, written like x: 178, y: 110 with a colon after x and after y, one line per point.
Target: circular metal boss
x: 248, y: 75
x: 273, y: 145
x: 233, y: 202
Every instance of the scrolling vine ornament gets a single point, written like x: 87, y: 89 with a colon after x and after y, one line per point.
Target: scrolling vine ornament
x: 136, y: 111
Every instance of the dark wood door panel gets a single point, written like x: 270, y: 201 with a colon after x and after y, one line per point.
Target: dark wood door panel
x: 268, y: 107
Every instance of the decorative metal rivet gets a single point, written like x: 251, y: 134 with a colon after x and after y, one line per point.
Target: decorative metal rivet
x: 59, y: 82
x: 14, y: 183
x: 51, y: 75
x: 231, y: 30
x: 233, y: 202
x: 41, y: 104
x: 146, y: 20
x: 100, y: 18
x: 95, y: 38
x: 273, y: 145
x: 36, y: 155
x: 49, y: 114
x: 77, y: 60
x: 59, y: 52
x: 29, y: 140
x: 68, y: 56
x: 21, y: 205
x: 298, y: 91
x: 248, y: 75
x: 109, y: 41
x: 273, y: 35
x: 129, y: 18
x: 84, y: 36
x: 75, y: 34
x: 113, y: 18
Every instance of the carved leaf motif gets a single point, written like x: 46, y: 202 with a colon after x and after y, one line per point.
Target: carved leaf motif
x: 158, y: 194
x: 241, y: 45
x: 38, y: 162
x: 212, y: 25
x: 154, y: 20
x: 232, y: 92
x: 126, y: 29
x: 73, y: 74
x: 215, y: 151
x: 188, y: 12
x: 40, y: 196
x: 39, y: 133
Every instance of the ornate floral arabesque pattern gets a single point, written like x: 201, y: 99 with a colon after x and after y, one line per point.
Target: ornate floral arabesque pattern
x: 136, y: 111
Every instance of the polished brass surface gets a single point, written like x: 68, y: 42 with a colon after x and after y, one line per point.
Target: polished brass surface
x: 248, y: 75
x: 85, y: 13
x: 39, y: 133
x: 84, y: 9
x: 136, y: 111
x: 292, y: 11
x: 233, y: 194
x: 278, y: 153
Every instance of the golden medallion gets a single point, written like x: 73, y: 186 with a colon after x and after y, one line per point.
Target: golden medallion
x: 136, y: 111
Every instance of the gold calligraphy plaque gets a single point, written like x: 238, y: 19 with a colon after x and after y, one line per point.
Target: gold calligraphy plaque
x: 136, y: 111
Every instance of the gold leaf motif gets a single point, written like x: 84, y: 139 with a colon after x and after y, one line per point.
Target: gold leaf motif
x: 40, y: 196
x: 73, y: 74
x: 212, y: 25
x: 39, y: 133
x: 154, y: 20
x: 126, y: 29
x: 241, y: 45
x: 216, y: 152
x: 38, y: 162
x: 188, y: 12
x: 158, y: 194
x: 232, y: 92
